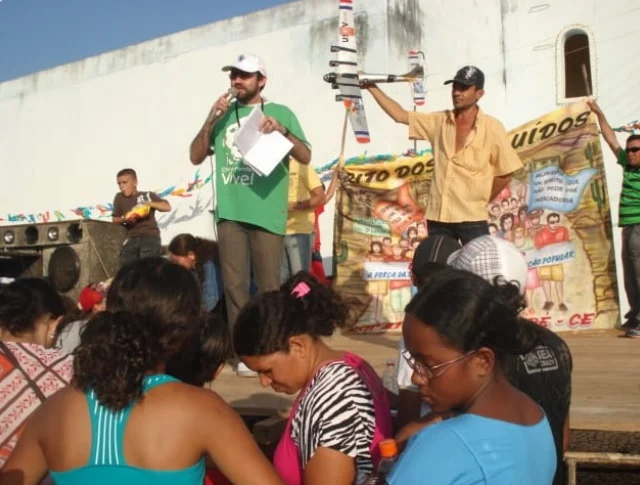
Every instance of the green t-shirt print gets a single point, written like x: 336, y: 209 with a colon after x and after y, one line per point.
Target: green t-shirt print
x: 241, y: 194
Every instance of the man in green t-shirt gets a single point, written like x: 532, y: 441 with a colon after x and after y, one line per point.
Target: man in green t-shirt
x: 251, y: 210
x: 629, y: 216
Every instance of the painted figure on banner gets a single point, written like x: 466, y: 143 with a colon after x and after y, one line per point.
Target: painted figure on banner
x: 382, y: 218
x: 552, y: 276
x: 524, y: 242
x: 542, y: 211
x: 506, y: 226
x: 523, y: 228
x: 378, y: 289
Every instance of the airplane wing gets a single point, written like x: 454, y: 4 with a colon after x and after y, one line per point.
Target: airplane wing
x: 346, y: 72
x: 416, y: 59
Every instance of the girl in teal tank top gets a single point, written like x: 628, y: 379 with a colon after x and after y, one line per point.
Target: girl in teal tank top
x: 107, y: 464
x: 143, y: 426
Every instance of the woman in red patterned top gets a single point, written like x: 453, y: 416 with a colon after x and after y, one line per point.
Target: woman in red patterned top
x: 30, y: 369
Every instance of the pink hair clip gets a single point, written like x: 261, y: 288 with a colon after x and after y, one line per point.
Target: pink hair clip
x: 300, y: 290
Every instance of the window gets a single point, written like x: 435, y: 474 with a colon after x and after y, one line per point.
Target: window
x: 575, y: 64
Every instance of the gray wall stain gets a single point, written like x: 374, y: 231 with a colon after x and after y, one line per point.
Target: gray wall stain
x: 510, y: 6
x: 324, y: 33
x: 506, y: 7
x: 405, y: 24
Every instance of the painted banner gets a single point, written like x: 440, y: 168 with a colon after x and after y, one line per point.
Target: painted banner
x: 555, y: 210
x: 379, y: 222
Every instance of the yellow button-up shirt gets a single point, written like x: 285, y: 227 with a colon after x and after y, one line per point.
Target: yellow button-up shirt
x: 302, y: 180
x: 462, y: 181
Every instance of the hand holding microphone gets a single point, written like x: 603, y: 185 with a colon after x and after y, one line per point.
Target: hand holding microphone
x: 221, y: 106
x: 201, y: 144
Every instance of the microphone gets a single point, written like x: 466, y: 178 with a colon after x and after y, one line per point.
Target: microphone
x: 231, y: 94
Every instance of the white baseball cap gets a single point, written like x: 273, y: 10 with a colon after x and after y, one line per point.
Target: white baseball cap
x: 248, y: 63
x: 489, y: 257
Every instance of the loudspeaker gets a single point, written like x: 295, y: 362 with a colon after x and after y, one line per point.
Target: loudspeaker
x: 36, y: 236
x: 70, y: 254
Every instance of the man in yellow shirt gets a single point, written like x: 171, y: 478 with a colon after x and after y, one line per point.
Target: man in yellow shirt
x: 472, y: 154
x: 305, y: 194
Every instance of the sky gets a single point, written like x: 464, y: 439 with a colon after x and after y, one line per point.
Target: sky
x: 40, y: 34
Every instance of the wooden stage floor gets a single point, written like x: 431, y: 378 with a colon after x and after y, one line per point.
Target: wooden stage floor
x: 606, y: 379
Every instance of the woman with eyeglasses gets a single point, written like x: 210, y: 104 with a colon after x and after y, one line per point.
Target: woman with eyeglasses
x: 458, y: 331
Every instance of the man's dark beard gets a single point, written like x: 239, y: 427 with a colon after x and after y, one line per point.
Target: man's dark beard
x: 247, y: 96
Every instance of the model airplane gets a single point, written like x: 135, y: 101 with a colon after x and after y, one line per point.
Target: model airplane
x: 345, y: 77
x: 348, y: 80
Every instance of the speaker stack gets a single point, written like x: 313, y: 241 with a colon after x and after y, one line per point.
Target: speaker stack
x: 70, y: 254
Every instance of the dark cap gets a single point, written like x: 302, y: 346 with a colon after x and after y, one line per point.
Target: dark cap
x: 469, y: 76
x: 433, y: 249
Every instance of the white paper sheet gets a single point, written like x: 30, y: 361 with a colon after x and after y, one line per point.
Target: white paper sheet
x: 262, y: 152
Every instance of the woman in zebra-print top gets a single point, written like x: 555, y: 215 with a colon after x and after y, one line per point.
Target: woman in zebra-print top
x: 341, y: 412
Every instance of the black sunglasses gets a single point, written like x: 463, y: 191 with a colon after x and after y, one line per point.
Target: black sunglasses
x: 241, y: 74
x: 633, y: 149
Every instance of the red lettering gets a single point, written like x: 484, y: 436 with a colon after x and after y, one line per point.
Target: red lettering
x: 574, y: 321
x: 581, y: 319
x: 587, y: 319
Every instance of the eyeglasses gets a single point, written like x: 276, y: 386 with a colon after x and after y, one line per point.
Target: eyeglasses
x: 633, y: 149
x: 241, y: 74
x: 429, y: 372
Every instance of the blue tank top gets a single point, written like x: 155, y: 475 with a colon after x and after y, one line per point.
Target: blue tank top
x: 107, y: 464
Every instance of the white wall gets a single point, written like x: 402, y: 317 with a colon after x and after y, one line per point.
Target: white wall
x: 65, y: 132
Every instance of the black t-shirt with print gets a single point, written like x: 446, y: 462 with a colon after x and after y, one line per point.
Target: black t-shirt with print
x: 544, y: 374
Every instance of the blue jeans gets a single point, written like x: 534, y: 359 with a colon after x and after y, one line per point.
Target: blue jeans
x: 211, y: 286
x: 297, y: 254
x: 631, y: 270
x: 460, y: 231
